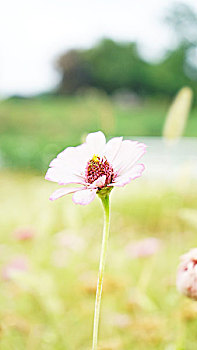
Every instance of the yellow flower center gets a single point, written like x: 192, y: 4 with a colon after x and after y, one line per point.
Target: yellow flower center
x: 95, y: 158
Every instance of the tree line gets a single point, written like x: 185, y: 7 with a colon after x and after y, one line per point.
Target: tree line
x: 110, y: 65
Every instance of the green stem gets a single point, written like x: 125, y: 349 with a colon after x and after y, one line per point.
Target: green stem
x: 106, y: 207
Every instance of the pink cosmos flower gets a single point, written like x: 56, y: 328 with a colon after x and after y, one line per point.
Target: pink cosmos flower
x: 143, y: 248
x: 187, y: 274
x: 60, y: 258
x: 121, y: 320
x: 24, y: 233
x: 70, y: 241
x: 95, y: 165
x: 16, y: 266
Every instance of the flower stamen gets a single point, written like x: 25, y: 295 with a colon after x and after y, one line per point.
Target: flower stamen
x: 97, y: 167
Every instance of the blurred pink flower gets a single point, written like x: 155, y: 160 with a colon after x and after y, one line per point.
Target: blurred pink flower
x: 94, y: 165
x: 143, y: 248
x: 24, y: 233
x: 70, y: 241
x: 16, y: 266
x: 121, y: 320
x: 187, y: 274
x: 60, y: 258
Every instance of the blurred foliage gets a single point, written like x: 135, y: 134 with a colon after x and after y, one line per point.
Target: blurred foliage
x: 34, y: 131
x: 51, y: 305
x: 111, y: 65
x: 75, y: 71
x: 117, y: 66
x: 114, y: 66
x: 182, y: 19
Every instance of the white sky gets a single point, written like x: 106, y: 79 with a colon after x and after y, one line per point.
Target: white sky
x: 34, y: 32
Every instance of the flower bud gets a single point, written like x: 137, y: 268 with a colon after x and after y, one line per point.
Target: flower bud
x: 187, y: 274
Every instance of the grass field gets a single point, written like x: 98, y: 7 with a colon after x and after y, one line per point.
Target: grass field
x: 34, y: 131
x: 50, y: 306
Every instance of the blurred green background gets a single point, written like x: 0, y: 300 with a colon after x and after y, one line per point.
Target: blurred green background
x: 49, y: 303
x: 34, y: 131
x: 49, y: 252
x: 108, y: 87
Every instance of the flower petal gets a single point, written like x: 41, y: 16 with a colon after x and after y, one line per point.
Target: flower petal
x: 112, y: 147
x: 84, y: 197
x: 96, y: 142
x: 75, y: 157
x: 62, y: 192
x: 100, y: 182
x: 63, y: 176
x: 128, y: 155
x: 134, y: 173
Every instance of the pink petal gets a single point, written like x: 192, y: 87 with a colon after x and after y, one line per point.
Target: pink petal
x: 144, y: 247
x: 130, y: 152
x: 69, y: 166
x: 100, y: 182
x: 24, y: 233
x: 75, y: 158
x: 133, y: 174
x: 112, y: 147
x: 63, y: 176
x: 14, y: 267
x: 84, y: 197
x: 96, y: 142
x: 63, y: 191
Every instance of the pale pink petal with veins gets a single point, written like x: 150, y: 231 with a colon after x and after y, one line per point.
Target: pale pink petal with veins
x: 100, y: 182
x: 84, y: 197
x: 112, y: 148
x: 133, y: 174
x: 63, y: 176
x: 129, y: 153
x: 63, y: 191
x: 96, y: 142
x: 75, y: 157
